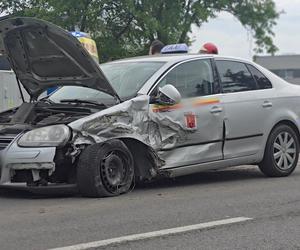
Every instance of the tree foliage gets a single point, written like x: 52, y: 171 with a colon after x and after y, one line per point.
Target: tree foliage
x: 124, y: 28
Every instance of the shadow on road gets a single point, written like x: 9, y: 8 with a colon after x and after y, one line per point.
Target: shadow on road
x: 209, y: 177
x: 234, y: 174
x: 10, y: 193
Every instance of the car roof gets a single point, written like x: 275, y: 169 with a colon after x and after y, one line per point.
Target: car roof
x: 176, y: 58
x: 172, y: 59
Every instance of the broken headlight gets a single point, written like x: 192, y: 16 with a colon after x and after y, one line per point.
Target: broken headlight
x: 51, y: 136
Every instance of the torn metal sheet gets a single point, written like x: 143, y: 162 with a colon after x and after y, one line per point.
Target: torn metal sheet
x: 175, y: 133
x: 135, y: 119
x: 28, y: 159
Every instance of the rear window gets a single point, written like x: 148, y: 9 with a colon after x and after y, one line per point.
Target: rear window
x: 262, y: 81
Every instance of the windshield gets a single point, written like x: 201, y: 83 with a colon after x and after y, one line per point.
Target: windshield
x: 127, y: 78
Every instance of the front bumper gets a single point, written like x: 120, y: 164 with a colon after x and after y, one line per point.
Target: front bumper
x: 14, y: 158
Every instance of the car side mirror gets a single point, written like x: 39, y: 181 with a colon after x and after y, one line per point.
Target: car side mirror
x: 168, y: 95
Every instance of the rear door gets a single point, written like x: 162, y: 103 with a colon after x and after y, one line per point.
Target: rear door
x: 195, y: 135
x: 247, y: 102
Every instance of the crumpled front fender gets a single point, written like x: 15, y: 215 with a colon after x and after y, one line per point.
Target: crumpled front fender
x: 130, y: 119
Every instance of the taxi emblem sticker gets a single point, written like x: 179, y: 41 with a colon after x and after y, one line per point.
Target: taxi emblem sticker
x: 190, y: 120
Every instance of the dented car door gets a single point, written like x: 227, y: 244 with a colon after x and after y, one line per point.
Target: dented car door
x: 197, y: 122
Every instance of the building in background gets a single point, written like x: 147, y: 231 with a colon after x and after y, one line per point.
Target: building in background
x: 285, y: 66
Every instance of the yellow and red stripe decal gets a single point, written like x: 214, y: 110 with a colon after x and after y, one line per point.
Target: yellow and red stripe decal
x: 202, y: 102
x: 165, y: 108
x: 195, y: 103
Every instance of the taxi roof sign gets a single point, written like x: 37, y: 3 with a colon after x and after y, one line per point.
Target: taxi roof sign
x: 175, y: 48
x: 87, y: 42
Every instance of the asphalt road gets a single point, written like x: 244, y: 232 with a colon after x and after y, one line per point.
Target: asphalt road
x: 33, y: 222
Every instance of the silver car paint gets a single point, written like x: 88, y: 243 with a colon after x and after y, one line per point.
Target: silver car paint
x: 246, y: 116
x: 163, y: 131
x: 17, y: 158
x: 132, y: 119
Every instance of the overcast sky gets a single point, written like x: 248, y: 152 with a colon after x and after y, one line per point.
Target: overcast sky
x: 232, y: 39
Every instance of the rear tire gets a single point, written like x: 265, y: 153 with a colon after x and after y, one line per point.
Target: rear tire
x: 281, y: 152
x: 105, y: 169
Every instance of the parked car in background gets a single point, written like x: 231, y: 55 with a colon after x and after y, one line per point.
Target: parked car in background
x: 138, y: 118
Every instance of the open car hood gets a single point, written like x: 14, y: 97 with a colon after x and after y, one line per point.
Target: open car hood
x: 44, y: 55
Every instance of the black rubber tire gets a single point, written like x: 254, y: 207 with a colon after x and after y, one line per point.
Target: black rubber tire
x: 91, y: 178
x: 268, y: 165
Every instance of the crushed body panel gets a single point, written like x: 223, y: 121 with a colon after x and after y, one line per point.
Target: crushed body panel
x: 167, y: 132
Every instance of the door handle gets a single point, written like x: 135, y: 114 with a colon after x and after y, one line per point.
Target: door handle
x: 267, y: 104
x: 216, y: 109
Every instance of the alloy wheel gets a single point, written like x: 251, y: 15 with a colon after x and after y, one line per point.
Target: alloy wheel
x: 284, y: 150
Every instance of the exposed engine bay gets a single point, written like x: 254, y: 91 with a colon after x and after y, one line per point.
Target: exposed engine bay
x: 30, y: 116
x: 40, y: 114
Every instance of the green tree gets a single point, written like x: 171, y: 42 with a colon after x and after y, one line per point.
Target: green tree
x: 124, y: 28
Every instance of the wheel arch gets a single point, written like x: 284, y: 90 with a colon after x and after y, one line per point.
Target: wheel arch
x: 285, y: 121
x: 290, y: 123
x: 146, y: 161
x: 268, y: 165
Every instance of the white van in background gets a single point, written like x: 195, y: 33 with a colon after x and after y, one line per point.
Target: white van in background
x: 9, y: 91
x: 10, y: 95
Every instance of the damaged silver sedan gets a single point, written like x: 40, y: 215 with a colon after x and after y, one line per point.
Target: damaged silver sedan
x: 107, y: 127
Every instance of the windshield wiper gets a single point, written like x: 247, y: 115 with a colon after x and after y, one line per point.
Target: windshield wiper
x: 46, y: 99
x: 79, y: 101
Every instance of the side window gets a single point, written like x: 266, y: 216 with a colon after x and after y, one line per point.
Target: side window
x: 194, y: 78
x: 262, y: 81
x: 235, y: 77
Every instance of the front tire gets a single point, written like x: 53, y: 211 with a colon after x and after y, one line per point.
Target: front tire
x: 281, y: 152
x: 105, y: 169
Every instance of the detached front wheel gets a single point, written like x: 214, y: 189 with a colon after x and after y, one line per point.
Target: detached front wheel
x: 105, y: 169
